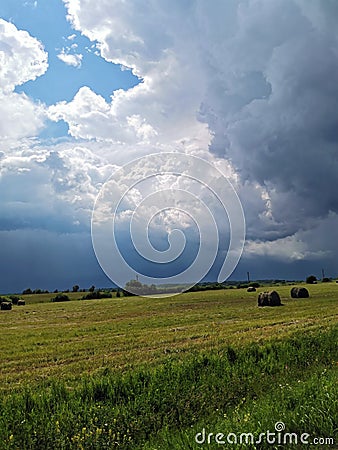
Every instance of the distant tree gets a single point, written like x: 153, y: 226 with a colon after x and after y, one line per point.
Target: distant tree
x: 60, y: 298
x: 326, y: 280
x: 193, y: 288
x: 56, y: 291
x: 133, y: 287
x: 118, y: 293
x: 96, y: 295
x: 137, y: 288
x: 133, y: 284
x: 27, y: 291
x: 92, y: 288
x: 76, y: 288
x: 37, y: 291
x: 311, y: 279
x: 127, y: 293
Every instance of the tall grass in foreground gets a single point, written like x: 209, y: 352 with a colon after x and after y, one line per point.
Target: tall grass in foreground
x: 232, y: 390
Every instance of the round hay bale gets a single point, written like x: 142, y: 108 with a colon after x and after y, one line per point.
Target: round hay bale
x: 263, y: 299
x: 303, y: 292
x: 251, y: 289
x: 269, y: 299
x: 274, y: 298
x: 294, y: 292
x: 299, y: 292
x: 6, y: 306
x: 21, y: 302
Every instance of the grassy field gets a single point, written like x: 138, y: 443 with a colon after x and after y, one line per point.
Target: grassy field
x: 152, y: 372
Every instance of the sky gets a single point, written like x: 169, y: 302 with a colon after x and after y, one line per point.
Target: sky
x: 86, y: 88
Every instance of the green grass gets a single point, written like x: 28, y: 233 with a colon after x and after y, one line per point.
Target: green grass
x: 151, y: 373
x: 44, y: 298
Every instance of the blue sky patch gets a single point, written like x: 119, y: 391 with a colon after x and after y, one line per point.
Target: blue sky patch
x: 47, y: 22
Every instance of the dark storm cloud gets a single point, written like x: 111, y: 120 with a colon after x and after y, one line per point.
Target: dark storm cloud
x: 47, y: 260
x: 277, y: 119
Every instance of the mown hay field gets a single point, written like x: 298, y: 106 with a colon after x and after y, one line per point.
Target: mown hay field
x: 135, y: 372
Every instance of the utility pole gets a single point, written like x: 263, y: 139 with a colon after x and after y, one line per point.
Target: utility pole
x: 323, y: 274
x: 248, y: 275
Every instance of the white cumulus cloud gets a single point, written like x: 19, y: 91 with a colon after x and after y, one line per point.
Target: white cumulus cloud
x: 71, y: 59
x: 22, y: 57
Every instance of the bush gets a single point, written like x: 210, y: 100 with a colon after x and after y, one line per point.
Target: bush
x: 311, y: 279
x: 134, y: 287
x: 60, y: 298
x: 326, y: 280
x: 96, y: 295
x: 127, y: 293
x: 14, y: 299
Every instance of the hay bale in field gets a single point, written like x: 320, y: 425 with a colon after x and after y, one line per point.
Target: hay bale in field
x: 294, y: 292
x: 263, y: 299
x: 269, y: 299
x: 251, y: 289
x: 303, y: 293
x: 21, y: 302
x: 6, y: 306
x: 274, y: 298
x: 299, y: 292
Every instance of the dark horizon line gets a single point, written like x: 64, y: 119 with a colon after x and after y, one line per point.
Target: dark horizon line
x: 115, y: 287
